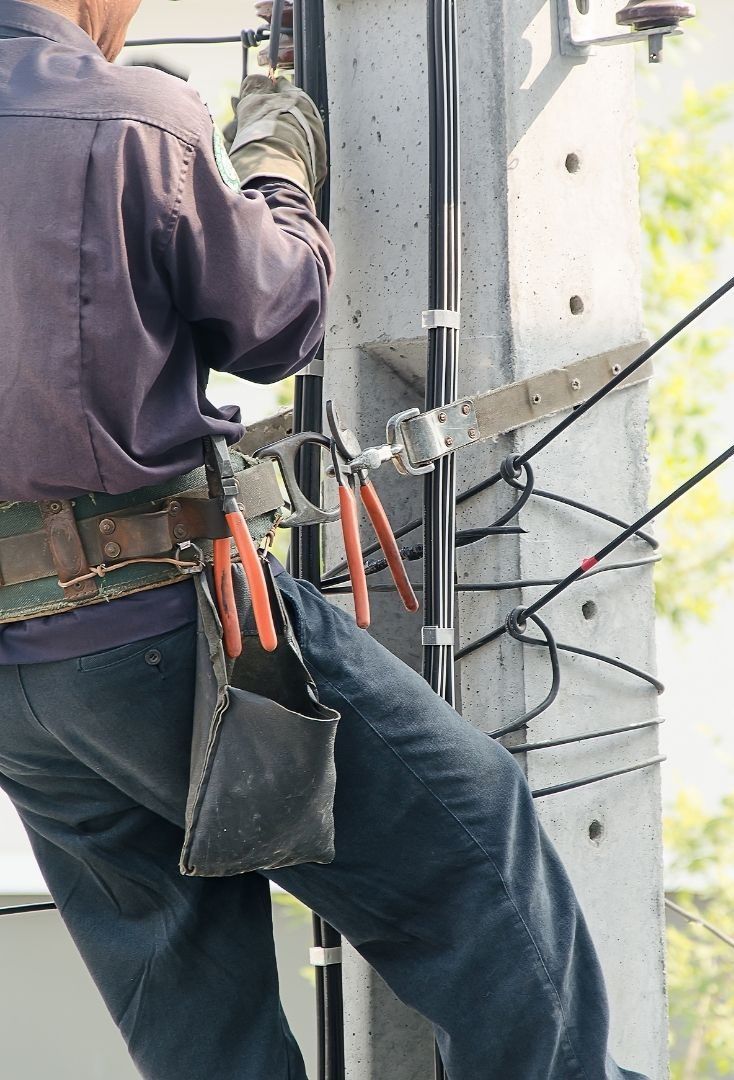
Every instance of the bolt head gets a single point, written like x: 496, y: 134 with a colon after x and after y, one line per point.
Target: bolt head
x: 576, y: 384
x: 449, y: 441
x: 54, y: 507
x: 112, y: 550
x: 442, y: 418
x: 180, y: 532
x: 174, y: 508
x: 106, y: 526
x: 466, y: 408
x: 472, y: 433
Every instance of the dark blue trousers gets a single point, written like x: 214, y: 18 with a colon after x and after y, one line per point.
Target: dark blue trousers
x: 443, y: 879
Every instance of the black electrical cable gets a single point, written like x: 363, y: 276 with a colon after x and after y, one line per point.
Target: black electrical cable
x: 564, y: 500
x: 591, y: 563
x: 341, y: 587
x: 444, y: 274
x: 23, y: 909
x: 311, y: 74
x: 588, y: 736
x: 630, y: 531
x: 309, y: 43
x: 443, y: 339
x: 276, y: 25
x: 515, y: 628
x: 464, y: 538
x: 536, y: 583
x: 255, y: 37
x: 571, y: 785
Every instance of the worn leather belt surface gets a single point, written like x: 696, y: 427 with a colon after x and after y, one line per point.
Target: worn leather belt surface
x: 148, y: 523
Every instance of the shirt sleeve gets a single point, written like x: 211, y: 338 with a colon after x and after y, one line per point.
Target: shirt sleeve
x: 250, y: 271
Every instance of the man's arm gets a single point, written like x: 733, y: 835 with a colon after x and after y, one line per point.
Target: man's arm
x: 249, y: 271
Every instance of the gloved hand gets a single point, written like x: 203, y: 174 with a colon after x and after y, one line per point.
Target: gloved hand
x: 280, y: 133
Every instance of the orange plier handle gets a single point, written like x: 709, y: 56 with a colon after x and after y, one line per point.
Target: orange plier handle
x: 353, y: 551
x: 224, y: 588
x: 388, y: 543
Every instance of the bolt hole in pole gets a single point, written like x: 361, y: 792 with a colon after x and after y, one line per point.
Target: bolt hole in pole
x: 589, y: 610
x: 596, y: 832
x: 573, y: 163
x: 576, y: 304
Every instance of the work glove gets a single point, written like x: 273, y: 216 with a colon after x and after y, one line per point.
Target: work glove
x: 280, y: 134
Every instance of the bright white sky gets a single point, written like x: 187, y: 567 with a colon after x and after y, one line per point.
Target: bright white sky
x: 698, y: 737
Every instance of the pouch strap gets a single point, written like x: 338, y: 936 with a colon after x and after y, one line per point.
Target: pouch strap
x: 66, y: 549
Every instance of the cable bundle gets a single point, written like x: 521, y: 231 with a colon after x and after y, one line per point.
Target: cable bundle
x: 443, y: 341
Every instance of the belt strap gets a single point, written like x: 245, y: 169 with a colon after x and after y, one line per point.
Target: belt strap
x: 66, y: 548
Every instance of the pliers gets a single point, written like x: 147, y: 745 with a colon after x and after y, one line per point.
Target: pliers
x: 223, y: 486
x: 346, y: 453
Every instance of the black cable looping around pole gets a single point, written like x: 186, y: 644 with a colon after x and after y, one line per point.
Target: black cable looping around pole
x: 516, y: 625
x: 511, y: 470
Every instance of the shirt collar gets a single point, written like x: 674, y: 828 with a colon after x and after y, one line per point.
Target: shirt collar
x: 19, y: 18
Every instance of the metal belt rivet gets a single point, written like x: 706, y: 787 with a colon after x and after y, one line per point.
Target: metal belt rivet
x: 174, y: 508
x: 112, y: 550
x: 179, y: 532
x: 107, y: 526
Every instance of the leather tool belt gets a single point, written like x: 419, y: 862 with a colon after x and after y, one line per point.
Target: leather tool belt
x: 60, y: 555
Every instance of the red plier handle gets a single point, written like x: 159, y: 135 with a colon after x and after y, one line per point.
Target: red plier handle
x: 224, y: 588
x: 353, y: 551
x: 388, y: 543
x: 223, y: 485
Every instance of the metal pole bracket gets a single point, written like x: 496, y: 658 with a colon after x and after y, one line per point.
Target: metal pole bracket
x: 570, y: 45
x: 427, y: 437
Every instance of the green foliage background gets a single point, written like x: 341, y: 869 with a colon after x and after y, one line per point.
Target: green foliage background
x: 687, y: 196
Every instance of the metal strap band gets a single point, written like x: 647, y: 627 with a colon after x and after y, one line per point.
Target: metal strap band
x: 438, y: 635
x: 437, y: 317
x: 325, y: 957
x: 430, y: 436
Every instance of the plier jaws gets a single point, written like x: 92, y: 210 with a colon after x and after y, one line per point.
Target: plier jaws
x: 223, y: 486
x: 352, y: 474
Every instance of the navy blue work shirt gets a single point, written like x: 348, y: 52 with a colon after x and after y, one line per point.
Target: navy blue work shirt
x: 128, y: 269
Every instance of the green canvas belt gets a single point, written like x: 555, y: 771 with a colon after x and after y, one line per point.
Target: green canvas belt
x: 58, y: 555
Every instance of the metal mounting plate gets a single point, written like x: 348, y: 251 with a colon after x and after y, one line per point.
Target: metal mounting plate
x: 427, y: 438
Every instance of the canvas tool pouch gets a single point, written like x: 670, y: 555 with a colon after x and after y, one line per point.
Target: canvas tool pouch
x: 262, y: 783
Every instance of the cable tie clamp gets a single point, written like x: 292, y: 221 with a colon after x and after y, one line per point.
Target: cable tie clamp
x: 325, y: 957
x: 315, y: 368
x: 441, y: 317
x: 437, y: 635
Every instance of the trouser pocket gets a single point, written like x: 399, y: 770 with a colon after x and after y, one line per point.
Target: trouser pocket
x: 262, y: 766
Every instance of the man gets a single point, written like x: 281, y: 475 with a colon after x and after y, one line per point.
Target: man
x: 131, y: 263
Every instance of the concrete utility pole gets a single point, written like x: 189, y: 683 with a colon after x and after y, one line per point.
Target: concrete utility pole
x: 551, y: 276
